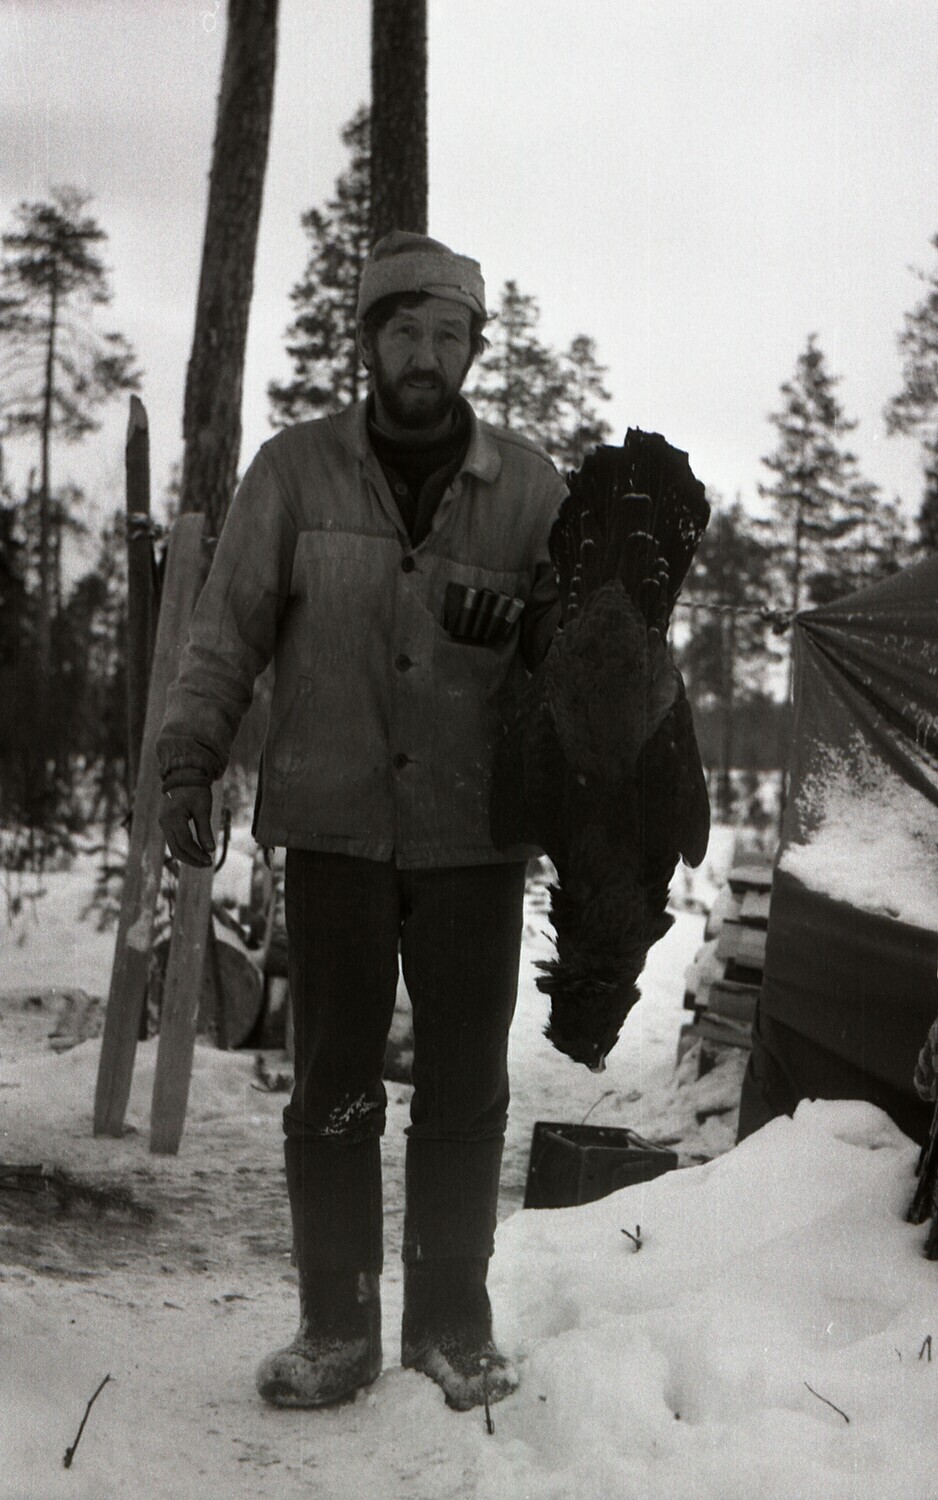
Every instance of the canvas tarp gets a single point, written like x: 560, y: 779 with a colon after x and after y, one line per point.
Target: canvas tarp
x: 850, y: 986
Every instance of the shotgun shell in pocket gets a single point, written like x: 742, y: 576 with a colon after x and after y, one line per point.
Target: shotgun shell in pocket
x: 464, y: 618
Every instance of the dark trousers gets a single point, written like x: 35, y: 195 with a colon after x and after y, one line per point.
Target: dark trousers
x: 457, y: 936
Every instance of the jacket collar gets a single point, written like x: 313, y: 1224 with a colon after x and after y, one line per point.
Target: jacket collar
x: 482, y: 456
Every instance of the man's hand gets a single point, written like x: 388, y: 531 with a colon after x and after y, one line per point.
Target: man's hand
x: 186, y: 821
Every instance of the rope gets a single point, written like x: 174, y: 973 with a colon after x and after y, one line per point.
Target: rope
x: 141, y: 523
x: 778, y: 619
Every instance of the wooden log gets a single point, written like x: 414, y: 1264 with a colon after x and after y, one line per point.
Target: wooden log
x: 276, y: 1024
x: 140, y: 593
x: 185, y: 970
x: 129, y: 973
x: 239, y: 978
x: 267, y: 916
x: 745, y: 945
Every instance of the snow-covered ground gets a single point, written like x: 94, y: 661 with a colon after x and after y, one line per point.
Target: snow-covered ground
x: 771, y: 1336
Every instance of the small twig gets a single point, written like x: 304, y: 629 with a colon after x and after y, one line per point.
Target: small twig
x: 489, y: 1424
x: 595, y: 1103
x: 636, y: 1238
x: 926, y: 1349
x: 70, y: 1452
x: 828, y: 1403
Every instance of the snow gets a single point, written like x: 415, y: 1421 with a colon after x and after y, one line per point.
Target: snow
x: 874, y: 843
x: 679, y: 1369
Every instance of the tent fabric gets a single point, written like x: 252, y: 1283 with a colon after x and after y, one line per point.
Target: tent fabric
x: 850, y: 985
x: 785, y: 1066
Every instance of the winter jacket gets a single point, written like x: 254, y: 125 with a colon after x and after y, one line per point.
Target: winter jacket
x: 382, y: 727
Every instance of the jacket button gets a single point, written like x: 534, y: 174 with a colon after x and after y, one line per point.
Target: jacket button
x: 407, y: 564
x: 400, y: 488
x: 400, y: 761
x: 402, y: 663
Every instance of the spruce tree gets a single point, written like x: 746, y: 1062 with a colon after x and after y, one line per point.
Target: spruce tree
x: 522, y: 383
x: 829, y: 533
x: 915, y: 409
x: 577, y: 425
x: 516, y: 381
x: 321, y: 340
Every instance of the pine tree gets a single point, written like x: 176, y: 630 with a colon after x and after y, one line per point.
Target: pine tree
x: 58, y: 367
x: 398, y: 116
x: 522, y: 383
x: 321, y: 340
x: 915, y: 409
x: 829, y: 533
x: 211, y: 421
x: 577, y: 426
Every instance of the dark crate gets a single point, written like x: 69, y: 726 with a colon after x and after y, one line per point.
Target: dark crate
x: 573, y: 1164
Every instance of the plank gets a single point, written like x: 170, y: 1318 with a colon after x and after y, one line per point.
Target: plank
x: 745, y: 945
x: 754, y: 908
x: 724, y: 1032
x: 737, y: 1002
x: 726, y: 908
x: 182, y: 994
x: 751, y: 877
x: 127, y: 993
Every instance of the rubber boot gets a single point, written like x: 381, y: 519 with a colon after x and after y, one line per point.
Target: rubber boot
x: 335, y: 1201
x: 447, y: 1332
x: 337, y: 1349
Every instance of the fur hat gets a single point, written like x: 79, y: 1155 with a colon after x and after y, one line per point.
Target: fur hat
x: 402, y: 262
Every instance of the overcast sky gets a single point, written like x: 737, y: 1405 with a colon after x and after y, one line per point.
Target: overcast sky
x: 699, y: 184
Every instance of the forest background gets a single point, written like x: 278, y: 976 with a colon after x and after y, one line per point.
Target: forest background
x: 691, y: 220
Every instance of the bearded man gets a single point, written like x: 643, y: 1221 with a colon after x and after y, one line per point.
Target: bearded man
x: 392, y: 560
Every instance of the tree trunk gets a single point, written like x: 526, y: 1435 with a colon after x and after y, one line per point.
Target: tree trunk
x: 398, y: 116
x: 212, y: 412
x: 44, y: 622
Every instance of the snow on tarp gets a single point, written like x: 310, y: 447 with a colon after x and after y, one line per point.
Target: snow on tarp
x: 875, y: 844
x: 852, y: 947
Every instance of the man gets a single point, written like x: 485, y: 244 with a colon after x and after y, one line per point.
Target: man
x: 350, y: 556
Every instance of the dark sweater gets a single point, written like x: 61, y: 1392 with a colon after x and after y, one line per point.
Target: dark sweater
x: 418, y: 473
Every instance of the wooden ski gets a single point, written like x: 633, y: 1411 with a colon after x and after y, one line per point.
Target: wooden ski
x: 128, y: 989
